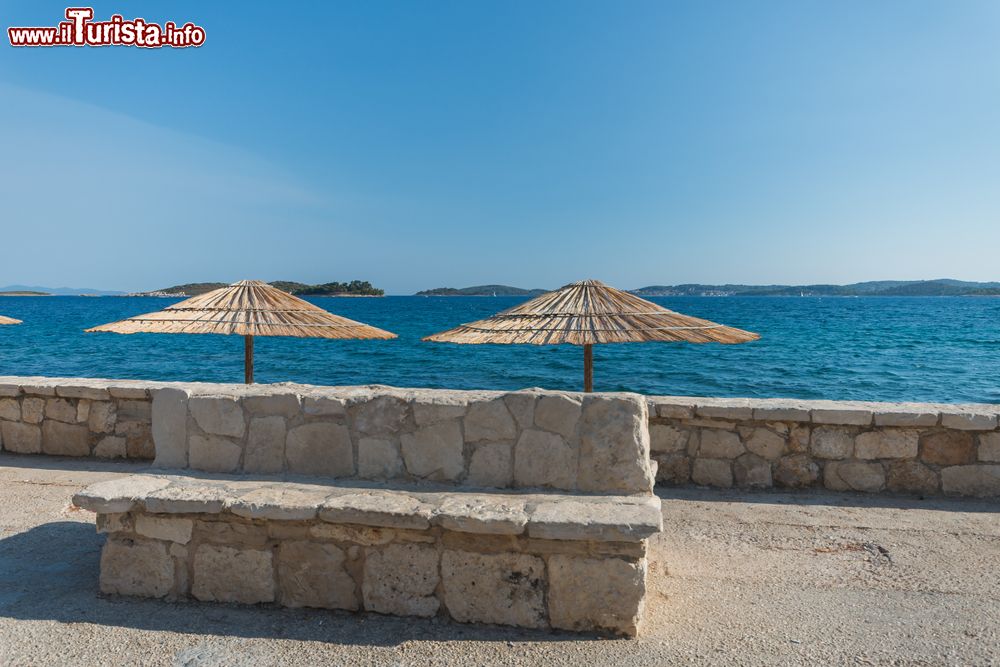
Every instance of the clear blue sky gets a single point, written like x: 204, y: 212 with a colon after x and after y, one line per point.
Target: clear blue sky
x: 423, y: 144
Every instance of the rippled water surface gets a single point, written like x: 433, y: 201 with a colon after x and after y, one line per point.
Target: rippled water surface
x: 892, y: 349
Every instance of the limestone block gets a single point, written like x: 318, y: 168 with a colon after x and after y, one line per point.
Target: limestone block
x: 214, y: 454
x: 492, y: 464
x: 320, y: 449
x: 972, y: 480
x: 138, y: 437
x: 386, y: 509
x: 9, y: 389
x: 596, y: 594
x: 622, y: 521
x: 44, y: 388
x: 732, y: 412
x: 781, y: 414
x: 795, y: 471
x: 507, y: 588
x: 117, y: 495
x: 285, y: 405
x: 916, y: 416
x: 383, y: 415
x: 115, y: 523
x: 891, y: 443
x: 170, y: 529
x: 130, y: 392
x: 313, y: 575
x: 522, y: 406
x: 766, y: 443
x: 102, y: 417
x: 33, y: 410
x: 842, y: 416
x: 718, y: 444
x: 21, y: 438
x: 490, y: 420
x: 832, y: 443
x: 673, y: 468
x: 425, y: 413
x: 948, y: 448
x: 379, y: 458
x: 323, y: 406
x: 169, y: 428
x: 282, y: 502
x: 65, y: 439
x: 82, y: 411
x: 218, y: 415
x: 60, y: 409
x: 435, y: 451
x: 491, y: 515
x: 265, y: 445
x: 364, y: 535
x: 969, y: 421
x: 187, y: 499
x: 989, y: 447
x: 712, y: 472
x: 544, y: 459
x: 10, y: 409
x: 111, y: 447
x: 799, y: 438
x: 614, y: 444
x: 219, y: 530
x: 226, y: 574
x: 678, y: 410
x: 667, y: 438
x: 400, y: 579
x: 136, y: 567
x: 854, y: 476
x: 135, y: 411
x: 912, y: 477
x: 559, y: 414
x: 752, y: 470
x: 94, y: 393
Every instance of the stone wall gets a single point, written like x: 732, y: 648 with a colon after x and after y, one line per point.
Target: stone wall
x: 593, y: 443
x: 923, y: 449
x: 72, y: 417
x: 536, y: 560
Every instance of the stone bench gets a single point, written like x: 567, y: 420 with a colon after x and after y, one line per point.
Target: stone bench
x: 537, y: 560
x: 550, y: 532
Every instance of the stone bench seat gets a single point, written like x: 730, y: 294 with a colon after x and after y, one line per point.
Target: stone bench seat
x: 526, y: 557
x: 543, y: 515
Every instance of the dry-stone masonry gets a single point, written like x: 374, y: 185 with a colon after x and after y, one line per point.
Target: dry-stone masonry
x: 76, y: 417
x: 530, y: 508
x: 925, y: 449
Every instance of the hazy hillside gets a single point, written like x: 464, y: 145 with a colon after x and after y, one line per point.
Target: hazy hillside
x: 353, y: 288
x: 482, y: 290
x: 941, y: 287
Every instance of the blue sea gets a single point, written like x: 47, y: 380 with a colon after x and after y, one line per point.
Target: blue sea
x: 887, y: 349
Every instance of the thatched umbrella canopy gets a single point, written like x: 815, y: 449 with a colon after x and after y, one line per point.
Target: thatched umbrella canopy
x: 589, y: 313
x: 8, y: 320
x: 248, y: 308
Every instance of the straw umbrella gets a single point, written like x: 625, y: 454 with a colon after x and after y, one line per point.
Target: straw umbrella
x: 248, y: 308
x: 588, y: 313
x: 8, y: 320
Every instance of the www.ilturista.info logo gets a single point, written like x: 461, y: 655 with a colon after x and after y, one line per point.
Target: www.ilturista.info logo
x: 81, y: 30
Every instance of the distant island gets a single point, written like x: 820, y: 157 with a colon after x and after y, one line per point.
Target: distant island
x: 941, y: 287
x: 482, y: 290
x: 353, y: 288
x: 24, y: 293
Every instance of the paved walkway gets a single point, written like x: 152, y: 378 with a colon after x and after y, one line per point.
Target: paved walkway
x: 736, y: 578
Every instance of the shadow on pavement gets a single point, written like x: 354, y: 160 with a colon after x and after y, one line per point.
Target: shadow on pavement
x: 806, y: 497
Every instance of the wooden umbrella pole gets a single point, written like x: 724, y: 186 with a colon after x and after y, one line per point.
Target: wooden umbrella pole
x: 248, y: 358
x: 588, y: 368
